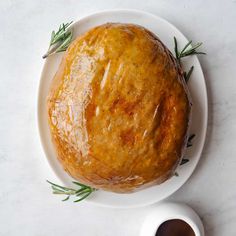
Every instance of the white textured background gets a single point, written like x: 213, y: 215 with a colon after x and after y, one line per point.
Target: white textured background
x: 27, y: 206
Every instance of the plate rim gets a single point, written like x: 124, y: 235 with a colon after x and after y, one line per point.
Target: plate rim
x: 204, y: 92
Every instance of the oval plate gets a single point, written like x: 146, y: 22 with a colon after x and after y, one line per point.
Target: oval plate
x: 165, y: 31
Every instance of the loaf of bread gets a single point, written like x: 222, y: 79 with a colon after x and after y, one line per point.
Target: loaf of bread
x: 118, y: 109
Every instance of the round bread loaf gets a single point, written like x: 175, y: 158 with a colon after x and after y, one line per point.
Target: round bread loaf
x: 118, y: 109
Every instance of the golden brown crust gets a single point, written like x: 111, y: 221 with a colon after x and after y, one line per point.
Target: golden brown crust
x: 118, y: 109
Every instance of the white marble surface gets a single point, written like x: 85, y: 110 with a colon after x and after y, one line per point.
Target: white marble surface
x: 26, y: 204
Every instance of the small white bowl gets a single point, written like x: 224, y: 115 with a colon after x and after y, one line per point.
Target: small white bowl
x: 169, y: 211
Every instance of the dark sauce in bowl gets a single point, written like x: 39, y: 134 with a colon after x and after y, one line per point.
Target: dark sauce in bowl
x: 175, y: 227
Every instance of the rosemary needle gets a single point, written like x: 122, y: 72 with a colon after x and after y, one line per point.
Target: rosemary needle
x: 190, y: 138
x: 81, y: 193
x: 187, y: 75
x: 60, y: 40
x: 184, y: 161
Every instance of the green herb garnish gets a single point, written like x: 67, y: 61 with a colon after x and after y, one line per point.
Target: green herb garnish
x: 176, y: 174
x: 188, y: 50
x: 60, y: 40
x: 183, y: 161
x: 190, y: 138
x: 81, y: 193
x: 187, y: 75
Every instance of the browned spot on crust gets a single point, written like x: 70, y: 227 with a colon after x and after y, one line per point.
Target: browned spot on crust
x: 122, y: 104
x: 127, y: 137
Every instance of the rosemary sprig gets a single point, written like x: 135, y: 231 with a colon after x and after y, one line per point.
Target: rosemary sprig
x: 60, y: 40
x: 81, y: 193
x: 188, y: 50
x: 190, y: 138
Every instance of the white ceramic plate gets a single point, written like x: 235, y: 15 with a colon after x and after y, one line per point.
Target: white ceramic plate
x: 165, y: 32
